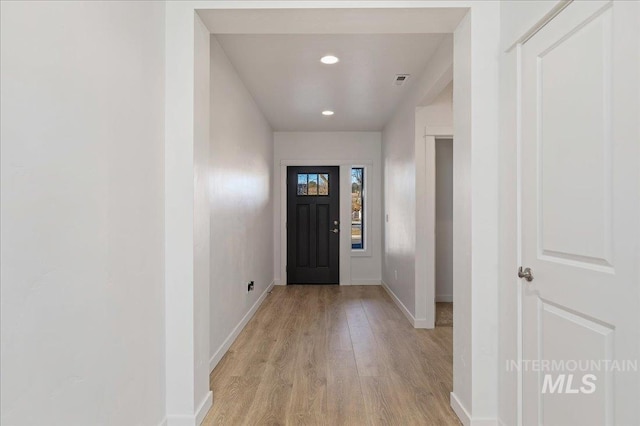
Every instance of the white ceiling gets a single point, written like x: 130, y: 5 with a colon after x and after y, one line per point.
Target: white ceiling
x: 292, y: 87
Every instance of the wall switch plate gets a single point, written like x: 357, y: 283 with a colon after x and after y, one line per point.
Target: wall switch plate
x: 250, y: 286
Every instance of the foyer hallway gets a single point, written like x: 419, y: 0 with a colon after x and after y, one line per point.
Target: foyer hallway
x: 331, y: 355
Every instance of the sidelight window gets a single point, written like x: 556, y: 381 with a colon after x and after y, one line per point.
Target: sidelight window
x: 357, y: 208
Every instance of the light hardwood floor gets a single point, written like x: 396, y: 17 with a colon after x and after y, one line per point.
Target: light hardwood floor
x: 331, y: 355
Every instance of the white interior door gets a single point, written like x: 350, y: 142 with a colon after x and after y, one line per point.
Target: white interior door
x: 580, y: 192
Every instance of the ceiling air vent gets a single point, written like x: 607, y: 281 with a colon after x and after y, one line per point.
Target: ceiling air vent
x: 400, y: 79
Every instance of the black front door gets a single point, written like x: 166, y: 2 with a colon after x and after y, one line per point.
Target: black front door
x: 313, y: 225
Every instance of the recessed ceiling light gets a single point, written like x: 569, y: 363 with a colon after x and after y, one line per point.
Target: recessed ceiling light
x: 327, y: 112
x: 329, y: 60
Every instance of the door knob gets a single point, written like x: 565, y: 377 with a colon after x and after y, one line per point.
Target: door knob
x: 525, y: 273
x: 335, y: 230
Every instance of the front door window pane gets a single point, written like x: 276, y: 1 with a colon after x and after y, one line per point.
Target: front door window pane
x: 312, y: 188
x: 302, y: 184
x: 323, y: 187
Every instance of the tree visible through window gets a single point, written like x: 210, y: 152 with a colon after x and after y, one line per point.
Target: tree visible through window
x: 357, y: 208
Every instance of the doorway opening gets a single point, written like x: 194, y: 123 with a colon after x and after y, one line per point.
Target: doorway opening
x: 444, y: 232
x: 403, y: 260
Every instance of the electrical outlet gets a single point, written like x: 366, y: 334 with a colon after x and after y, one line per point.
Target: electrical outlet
x: 250, y: 286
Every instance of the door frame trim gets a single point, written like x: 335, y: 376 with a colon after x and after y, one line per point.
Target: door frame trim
x: 345, y: 213
x: 518, y: 237
x: 426, y: 218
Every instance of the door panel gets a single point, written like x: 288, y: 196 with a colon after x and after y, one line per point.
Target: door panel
x: 323, y: 218
x: 579, y: 216
x: 574, y: 144
x: 302, y: 228
x: 313, y: 214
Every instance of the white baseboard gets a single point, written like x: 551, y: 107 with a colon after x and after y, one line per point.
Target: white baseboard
x: 484, y: 422
x: 217, y: 356
x: 465, y: 417
x: 366, y: 281
x: 399, y: 303
x: 194, y: 419
x: 415, y: 322
x: 204, y: 408
x: 448, y: 298
x: 422, y: 323
x: 459, y: 409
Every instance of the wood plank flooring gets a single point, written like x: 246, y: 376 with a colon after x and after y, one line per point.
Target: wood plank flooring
x: 444, y: 314
x: 331, y: 355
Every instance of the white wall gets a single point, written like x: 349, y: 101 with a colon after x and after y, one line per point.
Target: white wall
x: 462, y: 356
x: 444, y: 220
x: 399, y: 141
x: 82, y: 299
x: 241, y: 219
x: 519, y: 16
x: 336, y: 148
x: 201, y: 219
x: 475, y: 214
x: 438, y: 113
x: 186, y: 286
